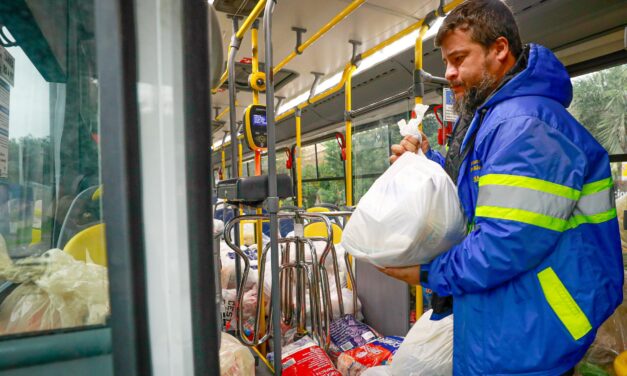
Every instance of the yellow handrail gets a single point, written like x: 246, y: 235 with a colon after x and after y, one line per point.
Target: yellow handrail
x: 254, y: 37
x: 299, y: 174
x: 348, y: 91
x: 408, y: 30
x: 337, y: 19
x: 254, y: 14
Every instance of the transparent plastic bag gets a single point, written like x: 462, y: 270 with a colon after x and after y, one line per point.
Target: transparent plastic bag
x: 427, y: 350
x: 63, y: 293
x: 410, y: 215
x: 235, y: 358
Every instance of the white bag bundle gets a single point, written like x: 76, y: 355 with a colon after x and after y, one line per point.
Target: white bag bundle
x: 427, y: 350
x: 410, y: 215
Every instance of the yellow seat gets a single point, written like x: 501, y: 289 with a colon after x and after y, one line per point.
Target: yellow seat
x: 320, y: 229
x: 620, y: 364
x: 89, y: 241
x: 318, y: 209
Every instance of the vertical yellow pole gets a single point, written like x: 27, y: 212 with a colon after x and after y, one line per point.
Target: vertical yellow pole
x: 299, y: 175
x: 254, y: 37
x: 418, y: 60
x: 418, y: 68
x: 348, y: 92
x: 348, y: 106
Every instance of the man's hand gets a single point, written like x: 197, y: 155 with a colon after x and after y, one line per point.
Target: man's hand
x: 409, y: 274
x: 410, y: 144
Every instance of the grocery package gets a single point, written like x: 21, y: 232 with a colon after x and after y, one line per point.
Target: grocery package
x: 610, y: 341
x: 235, y: 358
x: 347, y: 333
x: 227, y: 273
x: 304, y: 357
x: 229, y: 300
x: 55, y: 291
x: 378, y: 352
x: 427, y: 350
x: 422, y: 216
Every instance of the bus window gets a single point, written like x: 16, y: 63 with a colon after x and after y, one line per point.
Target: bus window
x: 50, y: 187
x: 600, y: 104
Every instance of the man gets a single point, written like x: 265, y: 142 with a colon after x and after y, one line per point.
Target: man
x: 541, y: 266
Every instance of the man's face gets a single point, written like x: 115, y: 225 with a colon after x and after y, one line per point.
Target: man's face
x: 469, y: 70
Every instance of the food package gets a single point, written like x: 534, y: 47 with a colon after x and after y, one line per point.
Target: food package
x: 227, y: 273
x: 235, y: 358
x: 304, y: 357
x: 427, y: 350
x: 421, y: 219
x: 347, y: 333
x: 229, y: 300
x: 61, y: 292
x: 378, y: 352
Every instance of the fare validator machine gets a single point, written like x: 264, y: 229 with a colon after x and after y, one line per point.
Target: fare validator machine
x: 253, y: 190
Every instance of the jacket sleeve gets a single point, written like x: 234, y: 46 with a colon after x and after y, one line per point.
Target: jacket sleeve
x: 435, y: 156
x: 529, y: 184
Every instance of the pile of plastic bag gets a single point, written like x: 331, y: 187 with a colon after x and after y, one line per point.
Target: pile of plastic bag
x: 55, y: 291
x: 235, y: 358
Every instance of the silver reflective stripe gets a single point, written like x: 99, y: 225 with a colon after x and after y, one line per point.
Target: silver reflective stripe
x: 526, y: 199
x: 595, y: 203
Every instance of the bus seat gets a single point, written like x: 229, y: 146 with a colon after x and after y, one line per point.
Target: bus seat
x: 90, y: 240
x: 319, y: 229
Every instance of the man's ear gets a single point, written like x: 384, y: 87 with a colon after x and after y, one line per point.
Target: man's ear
x: 501, y: 49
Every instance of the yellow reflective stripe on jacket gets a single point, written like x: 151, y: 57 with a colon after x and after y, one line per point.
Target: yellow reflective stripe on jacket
x: 563, y: 304
x: 542, y: 203
x: 524, y: 216
x: 597, y: 186
x: 529, y: 183
x: 577, y: 220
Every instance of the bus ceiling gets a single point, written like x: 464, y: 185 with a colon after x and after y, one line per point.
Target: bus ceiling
x: 566, y: 26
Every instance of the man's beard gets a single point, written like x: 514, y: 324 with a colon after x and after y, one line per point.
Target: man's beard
x: 475, y: 96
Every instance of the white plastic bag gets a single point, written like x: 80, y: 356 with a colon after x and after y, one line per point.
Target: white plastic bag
x: 61, y: 293
x: 235, y: 358
x: 427, y: 350
x: 410, y: 215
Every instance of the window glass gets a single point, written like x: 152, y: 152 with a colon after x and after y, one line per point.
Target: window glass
x: 308, y: 162
x: 371, y: 151
x: 600, y: 104
x: 330, y: 164
x: 50, y: 185
x: 326, y: 191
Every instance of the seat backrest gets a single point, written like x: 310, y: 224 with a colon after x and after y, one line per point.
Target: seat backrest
x: 90, y: 241
x: 320, y: 229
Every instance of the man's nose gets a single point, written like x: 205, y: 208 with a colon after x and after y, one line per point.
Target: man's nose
x: 451, y: 73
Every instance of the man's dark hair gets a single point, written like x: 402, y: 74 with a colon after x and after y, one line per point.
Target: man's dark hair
x: 486, y: 20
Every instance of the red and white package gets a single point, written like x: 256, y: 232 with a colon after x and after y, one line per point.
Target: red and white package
x: 378, y: 352
x: 304, y: 357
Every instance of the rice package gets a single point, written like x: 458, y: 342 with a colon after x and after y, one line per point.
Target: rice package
x: 304, y: 357
x: 378, y: 352
x: 348, y: 333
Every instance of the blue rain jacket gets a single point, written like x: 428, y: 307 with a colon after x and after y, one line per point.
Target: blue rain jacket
x: 541, y: 267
